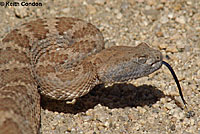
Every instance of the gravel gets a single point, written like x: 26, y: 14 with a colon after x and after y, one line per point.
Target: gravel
x: 149, y: 105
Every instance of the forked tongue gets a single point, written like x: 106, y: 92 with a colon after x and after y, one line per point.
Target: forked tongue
x: 176, y: 80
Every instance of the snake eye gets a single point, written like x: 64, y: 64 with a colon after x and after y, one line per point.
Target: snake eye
x: 142, y: 60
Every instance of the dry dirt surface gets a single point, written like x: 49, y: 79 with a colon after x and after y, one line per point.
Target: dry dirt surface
x: 149, y: 105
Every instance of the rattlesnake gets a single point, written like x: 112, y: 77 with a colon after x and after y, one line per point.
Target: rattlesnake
x: 66, y: 58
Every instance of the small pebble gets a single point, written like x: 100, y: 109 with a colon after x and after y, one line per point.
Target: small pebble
x: 66, y: 10
x: 164, y: 20
x: 181, y: 20
x: 91, y: 9
x: 162, y: 46
x: 172, y: 48
x: 169, y: 106
x: 21, y: 11
x: 100, y: 2
x: 170, y: 15
x: 119, y: 16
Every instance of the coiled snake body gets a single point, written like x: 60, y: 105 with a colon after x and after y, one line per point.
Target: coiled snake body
x: 66, y: 58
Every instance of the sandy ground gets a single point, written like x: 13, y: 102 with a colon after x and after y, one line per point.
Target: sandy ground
x: 149, y: 105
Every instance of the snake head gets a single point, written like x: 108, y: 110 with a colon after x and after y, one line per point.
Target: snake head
x: 123, y: 63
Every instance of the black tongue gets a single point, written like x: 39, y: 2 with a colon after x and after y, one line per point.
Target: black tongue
x: 176, y: 80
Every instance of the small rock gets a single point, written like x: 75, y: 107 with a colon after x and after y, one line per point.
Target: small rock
x: 145, y: 23
x: 66, y: 10
x: 91, y: 9
x: 169, y: 106
x: 132, y: 2
x: 176, y: 36
x: 170, y: 15
x: 164, y: 1
x: 21, y: 11
x: 141, y: 110
x: 63, y: 129
x: 124, y: 5
x: 119, y: 16
x: 163, y: 100
x: 173, y: 127
x: 185, y: 132
x: 177, y: 114
x: 107, y: 124
x: 181, y: 20
x: 198, y: 74
x: 164, y: 19
x: 160, y: 7
x: 177, y: 7
x: 151, y: 2
x: 87, y: 118
x: 162, y: 46
x: 180, y: 44
x: 38, y: 12
x: 100, y: 2
x: 192, y: 122
x: 52, y: 11
x: 140, y: 1
x: 189, y: 2
x: 152, y: 13
x: 159, y: 34
x: 116, y: 11
x: 172, y: 48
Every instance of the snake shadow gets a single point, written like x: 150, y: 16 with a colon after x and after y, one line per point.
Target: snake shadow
x: 115, y: 96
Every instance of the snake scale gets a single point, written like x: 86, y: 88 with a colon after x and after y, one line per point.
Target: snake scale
x: 66, y: 58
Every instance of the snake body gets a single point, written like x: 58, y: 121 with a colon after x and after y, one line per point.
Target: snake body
x: 66, y: 58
